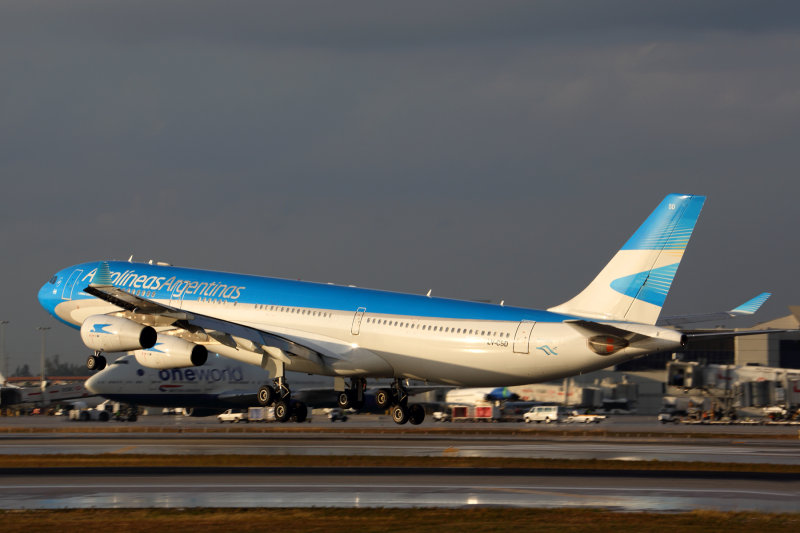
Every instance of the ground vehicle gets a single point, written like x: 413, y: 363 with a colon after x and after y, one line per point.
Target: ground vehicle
x: 441, y: 416
x: 666, y: 416
x: 82, y: 413
x: 233, y: 416
x: 474, y: 413
x: 335, y: 414
x: 260, y: 414
x: 582, y: 418
x: 544, y: 413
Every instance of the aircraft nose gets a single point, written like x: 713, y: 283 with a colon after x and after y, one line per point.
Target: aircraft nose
x: 93, y: 384
x: 48, y: 293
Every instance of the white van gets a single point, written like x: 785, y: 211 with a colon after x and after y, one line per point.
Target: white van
x: 544, y: 413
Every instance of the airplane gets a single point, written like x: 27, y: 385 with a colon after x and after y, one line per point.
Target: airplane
x: 220, y: 384
x: 45, y: 393
x: 171, y: 317
x: 472, y: 396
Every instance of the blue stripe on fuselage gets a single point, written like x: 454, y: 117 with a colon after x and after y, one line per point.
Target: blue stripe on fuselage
x: 156, y: 282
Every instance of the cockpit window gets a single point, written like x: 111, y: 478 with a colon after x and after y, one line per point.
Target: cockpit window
x: 53, y: 280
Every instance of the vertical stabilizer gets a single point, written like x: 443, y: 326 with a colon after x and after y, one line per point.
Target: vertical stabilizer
x: 634, y: 284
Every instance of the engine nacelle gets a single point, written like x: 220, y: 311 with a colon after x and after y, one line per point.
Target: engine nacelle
x: 172, y: 352
x: 116, y: 334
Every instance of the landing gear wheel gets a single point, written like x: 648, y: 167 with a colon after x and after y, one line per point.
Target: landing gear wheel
x: 299, y: 412
x: 416, y: 414
x: 399, y: 414
x: 383, y: 398
x: 266, y: 395
x: 344, y: 400
x: 282, y: 411
x: 96, y: 362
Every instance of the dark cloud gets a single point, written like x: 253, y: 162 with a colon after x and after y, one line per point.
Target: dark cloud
x: 485, y: 150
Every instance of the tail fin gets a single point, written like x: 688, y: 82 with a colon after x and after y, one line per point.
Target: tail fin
x: 634, y: 285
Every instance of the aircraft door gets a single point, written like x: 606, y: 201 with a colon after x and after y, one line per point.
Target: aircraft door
x: 69, y: 286
x: 359, y: 316
x: 523, y: 336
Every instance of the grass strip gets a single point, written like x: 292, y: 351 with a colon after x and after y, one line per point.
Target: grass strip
x: 330, y: 520
x: 147, y: 460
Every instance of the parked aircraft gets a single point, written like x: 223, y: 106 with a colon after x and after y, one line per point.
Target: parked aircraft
x: 479, y: 395
x: 220, y: 384
x: 173, y: 316
x: 45, y: 393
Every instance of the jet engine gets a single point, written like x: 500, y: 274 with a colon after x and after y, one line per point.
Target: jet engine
x: 172, y: 352
x: 104, y: 333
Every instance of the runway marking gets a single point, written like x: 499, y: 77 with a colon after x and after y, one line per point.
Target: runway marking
x: 393, y: 487
x: 126, y: 449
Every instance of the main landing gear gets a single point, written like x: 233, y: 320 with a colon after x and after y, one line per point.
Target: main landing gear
x: 353, y: 398
x: 395, y: 399
x: 96, y: 361
x: 280, y: 397
x: 400, y: 410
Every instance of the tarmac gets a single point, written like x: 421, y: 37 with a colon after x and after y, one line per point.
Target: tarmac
x: 629, y: 439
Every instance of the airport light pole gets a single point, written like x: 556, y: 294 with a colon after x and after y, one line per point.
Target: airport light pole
x: 3, y: 348
x: 43, y: 329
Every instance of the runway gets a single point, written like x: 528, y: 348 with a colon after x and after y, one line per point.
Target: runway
x: 52, y: 488
x: 395, y: 487
x: 374, y: 444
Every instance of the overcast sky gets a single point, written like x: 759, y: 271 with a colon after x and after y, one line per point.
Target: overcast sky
x: 495, y: 150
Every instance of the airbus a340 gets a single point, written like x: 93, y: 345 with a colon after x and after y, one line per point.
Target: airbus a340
x: 171, y: 317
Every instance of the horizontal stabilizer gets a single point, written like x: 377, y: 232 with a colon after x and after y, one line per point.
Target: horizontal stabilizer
x: 630, y: 331
x: 730, y: 333
x: 751, y: 306
x: 746, y: 309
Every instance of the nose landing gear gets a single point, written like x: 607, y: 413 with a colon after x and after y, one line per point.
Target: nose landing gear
x: 96, y: 361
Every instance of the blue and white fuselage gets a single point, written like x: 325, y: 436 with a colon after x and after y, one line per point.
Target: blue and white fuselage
x: 374, y: 333
x: 371, y: 333
x: 171, y: 316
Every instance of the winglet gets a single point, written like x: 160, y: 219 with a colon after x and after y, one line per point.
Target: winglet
x: 102, y: 276
x: 751, y: 306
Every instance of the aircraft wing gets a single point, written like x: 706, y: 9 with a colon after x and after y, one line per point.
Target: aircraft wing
x: 746, y: 309
x: 238, y: 397
x: 206, y: 329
